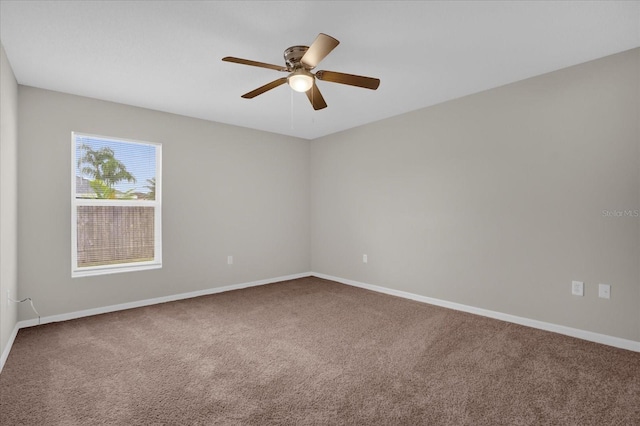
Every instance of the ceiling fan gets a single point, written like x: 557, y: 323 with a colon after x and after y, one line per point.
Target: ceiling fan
x: 300, y: 60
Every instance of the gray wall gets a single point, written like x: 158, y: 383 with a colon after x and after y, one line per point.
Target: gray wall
x: 495, y: 200
x: 226, y: 191
x: 8, y: 198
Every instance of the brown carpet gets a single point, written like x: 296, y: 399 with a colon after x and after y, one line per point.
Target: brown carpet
x: 311, y: 352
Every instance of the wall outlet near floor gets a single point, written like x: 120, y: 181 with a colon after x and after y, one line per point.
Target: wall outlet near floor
x: 229, y: 260
x: 577, y: 288
x: 364, y: 258
x: 604, y: 291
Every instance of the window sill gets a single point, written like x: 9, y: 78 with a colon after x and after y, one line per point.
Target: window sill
x: 111, y: 269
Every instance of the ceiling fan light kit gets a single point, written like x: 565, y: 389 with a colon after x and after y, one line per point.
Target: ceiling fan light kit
x: 300, y: 80
x: 300, y: 60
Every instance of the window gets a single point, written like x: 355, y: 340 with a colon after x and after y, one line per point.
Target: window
x: 115, y: 205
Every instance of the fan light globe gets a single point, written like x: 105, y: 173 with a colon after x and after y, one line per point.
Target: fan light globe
x: 300, y: 81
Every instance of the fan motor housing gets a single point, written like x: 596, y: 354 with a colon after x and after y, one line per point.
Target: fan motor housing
x: 293, y: 55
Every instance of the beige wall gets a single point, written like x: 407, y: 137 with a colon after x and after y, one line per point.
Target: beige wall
x: 8, y: 198
x: 226, y: 191
x: 495, y: 200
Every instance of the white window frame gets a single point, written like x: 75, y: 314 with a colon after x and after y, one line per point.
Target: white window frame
x: 156, y: 263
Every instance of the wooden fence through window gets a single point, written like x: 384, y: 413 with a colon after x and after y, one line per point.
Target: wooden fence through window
x: 115, y: 234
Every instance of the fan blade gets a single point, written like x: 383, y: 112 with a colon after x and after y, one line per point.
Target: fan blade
x: 319, y: 49
x: 266, y: 87
x: 254, y: 63
x: 350, y: 79
x: 315, y: 97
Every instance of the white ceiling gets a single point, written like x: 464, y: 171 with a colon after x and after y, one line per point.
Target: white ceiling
x: 166, y: 55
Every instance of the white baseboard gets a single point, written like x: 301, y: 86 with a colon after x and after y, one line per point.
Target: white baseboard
x: 617, y: 342
x: 156, y: 300
x: 7, y: 349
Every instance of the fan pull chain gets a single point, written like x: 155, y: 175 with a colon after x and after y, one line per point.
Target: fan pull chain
x: 291, y: 93
x: 313, y: 101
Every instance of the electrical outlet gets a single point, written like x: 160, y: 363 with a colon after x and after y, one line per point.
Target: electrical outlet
x: 604, y: 291
x: 364, y: 258
x: 577, y: 288
x: 229, y: 260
